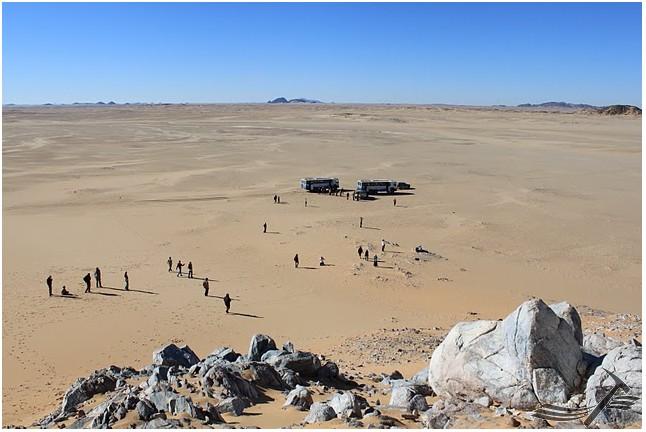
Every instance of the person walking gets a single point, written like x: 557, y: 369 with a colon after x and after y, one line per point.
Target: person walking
x: 170, y: 264
x: 374, y: 260
x: 367, y: 255
x: 49, y: 284
x: 361, y: 222
x: 179, y: 268
x: 88, y: 282
x: 296, y: 261
x: 275, y: 199
x: 227, y: 302
x: 383, y: 244
x: 264, y: 227
x: 360, y: 252
x: 97, y: 277
x: 127, y: 281
x: 279, y: 199
x: 190, y: 270
x: 394, y: 202
x: 206, y: 287
x: 305, y: 202
x: 347, y: 196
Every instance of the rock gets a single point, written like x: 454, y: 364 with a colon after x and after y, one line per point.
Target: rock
x: 417, y: 403
x: 319, y: 413
x: 213, y: 414
x: 420, y: 377
x: 484, y: 401
x: 233, y: 405
x: 300, y: 397
x: 182, y: 404
x: 259, y: 345
x: 498, y: 359
x: 225, y: 353
x: 567, y: 313
x: 599, y: 344
x: 329, y: 371
x: 396, y: 375
x: 549, y: 386
x: 513, y: 422
x: 160, y: 423
x: 172, y: 355
x: 345, y: 405
x: 500, y: 411
x: 626, y: 363
x: 84, y: 389
x: 289, y: 347
x: 434, y: 420
x: 160, y: 397
x: 401, y: 396
x: 290, y: 379
x: 265, y: 375
x: 232, y: 382
x: 305, y: 363
x: 145, y: 409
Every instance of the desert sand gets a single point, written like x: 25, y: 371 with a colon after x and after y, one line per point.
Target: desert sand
x: 514, y: 205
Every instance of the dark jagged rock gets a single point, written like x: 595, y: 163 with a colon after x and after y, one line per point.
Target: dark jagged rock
x: 259, y: 345
x: 85, y: 388
x: 233, y: 405
x: 172, y: 355
x: 232, y: 383
x: 300, y: 398
x: 305, y: 363
x: 145, y: 409
x: 263, y: 375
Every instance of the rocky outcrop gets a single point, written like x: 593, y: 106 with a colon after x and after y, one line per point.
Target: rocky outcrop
x: 625, y: 362
x: 530, y: 357
x: 85, y: 388
x: 304, y: 363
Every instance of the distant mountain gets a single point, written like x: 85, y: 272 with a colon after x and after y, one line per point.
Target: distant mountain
x: 556, y: 105
x: 620, y: 110
x: 298, y: 100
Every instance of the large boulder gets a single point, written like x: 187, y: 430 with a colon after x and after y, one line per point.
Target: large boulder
x: 145, y: 409
x: 233, y: 405
x: 305, y: 363
x: 531, y: 357
x: 172, y: 355
x: 84, y: 389
x: 232, y: 383
x: 319, y: 413
x: 300, y: 398
x: 259, y: 345
x: 625, y: 362
x: 225, y: 353
x: 263, y: 375
x: 569, y: 314
x: 345, y: 404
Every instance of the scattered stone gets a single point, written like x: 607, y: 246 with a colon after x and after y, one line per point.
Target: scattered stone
x: 345, y: 405
x: 172, y: 355
x: 145, y: 409
x: 300, y: 397
x: 319, y: 413
x: 233, y: 405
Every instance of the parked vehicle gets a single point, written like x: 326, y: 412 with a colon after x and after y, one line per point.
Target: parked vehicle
x: 320, y: 184
x: 403, y: 186
x: 376, y: 186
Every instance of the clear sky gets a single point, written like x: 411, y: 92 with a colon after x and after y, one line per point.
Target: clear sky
x: 479, y: 54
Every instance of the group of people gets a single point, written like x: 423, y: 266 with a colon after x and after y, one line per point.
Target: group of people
x: 205, y: 284
x: 87, y: 279
x: 364, y: 254
x: 276, y: 199
x: 179, y: 267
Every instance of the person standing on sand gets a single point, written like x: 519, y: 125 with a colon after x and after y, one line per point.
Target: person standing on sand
x: 374, y: 260
x: 383, y: 244
x: 206, y: 287
x: 367, y: 255
x: 127, y: 281
x: 227, y: 301
x: 394, y: 202
x: 279, y: 199
x: 179, y: 268
x: 305, y: 202
x: 296, y: 261
x: 361, y: 222
x: 275, y: 199
x: 88, y: 282
x: 190, y: 270
x: 347, y: 196
x: 360, y: 252
x: 264, y: 227
x: 170, y: 264
x: 97, y: 277
x: 49, y: 284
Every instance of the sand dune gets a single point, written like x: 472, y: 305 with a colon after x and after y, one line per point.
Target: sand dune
x: 514, y: 205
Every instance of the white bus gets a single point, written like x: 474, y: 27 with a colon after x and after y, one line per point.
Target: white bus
x: 320, y: 184
x: 376, y: 186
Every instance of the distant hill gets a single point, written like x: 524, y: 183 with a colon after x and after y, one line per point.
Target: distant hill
x: 620, y: 110
x: 556, y: 105
x: 298, y: 100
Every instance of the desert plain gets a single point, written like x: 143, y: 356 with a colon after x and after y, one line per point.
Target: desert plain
x: 513, y: 204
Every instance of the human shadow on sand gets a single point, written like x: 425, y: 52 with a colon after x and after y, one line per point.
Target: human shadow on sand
x: 197, y: 278
x: 244, y: 315
x: 222, y: 298
x: 103, y: 294
x: 129, y: 290
x: 272, y: 232
x: 69, y: 296
x: 373, y: 228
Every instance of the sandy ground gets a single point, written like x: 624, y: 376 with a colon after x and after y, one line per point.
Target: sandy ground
x: 514, y: 205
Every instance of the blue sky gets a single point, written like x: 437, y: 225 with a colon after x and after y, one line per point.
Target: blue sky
x: 478, y: 54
